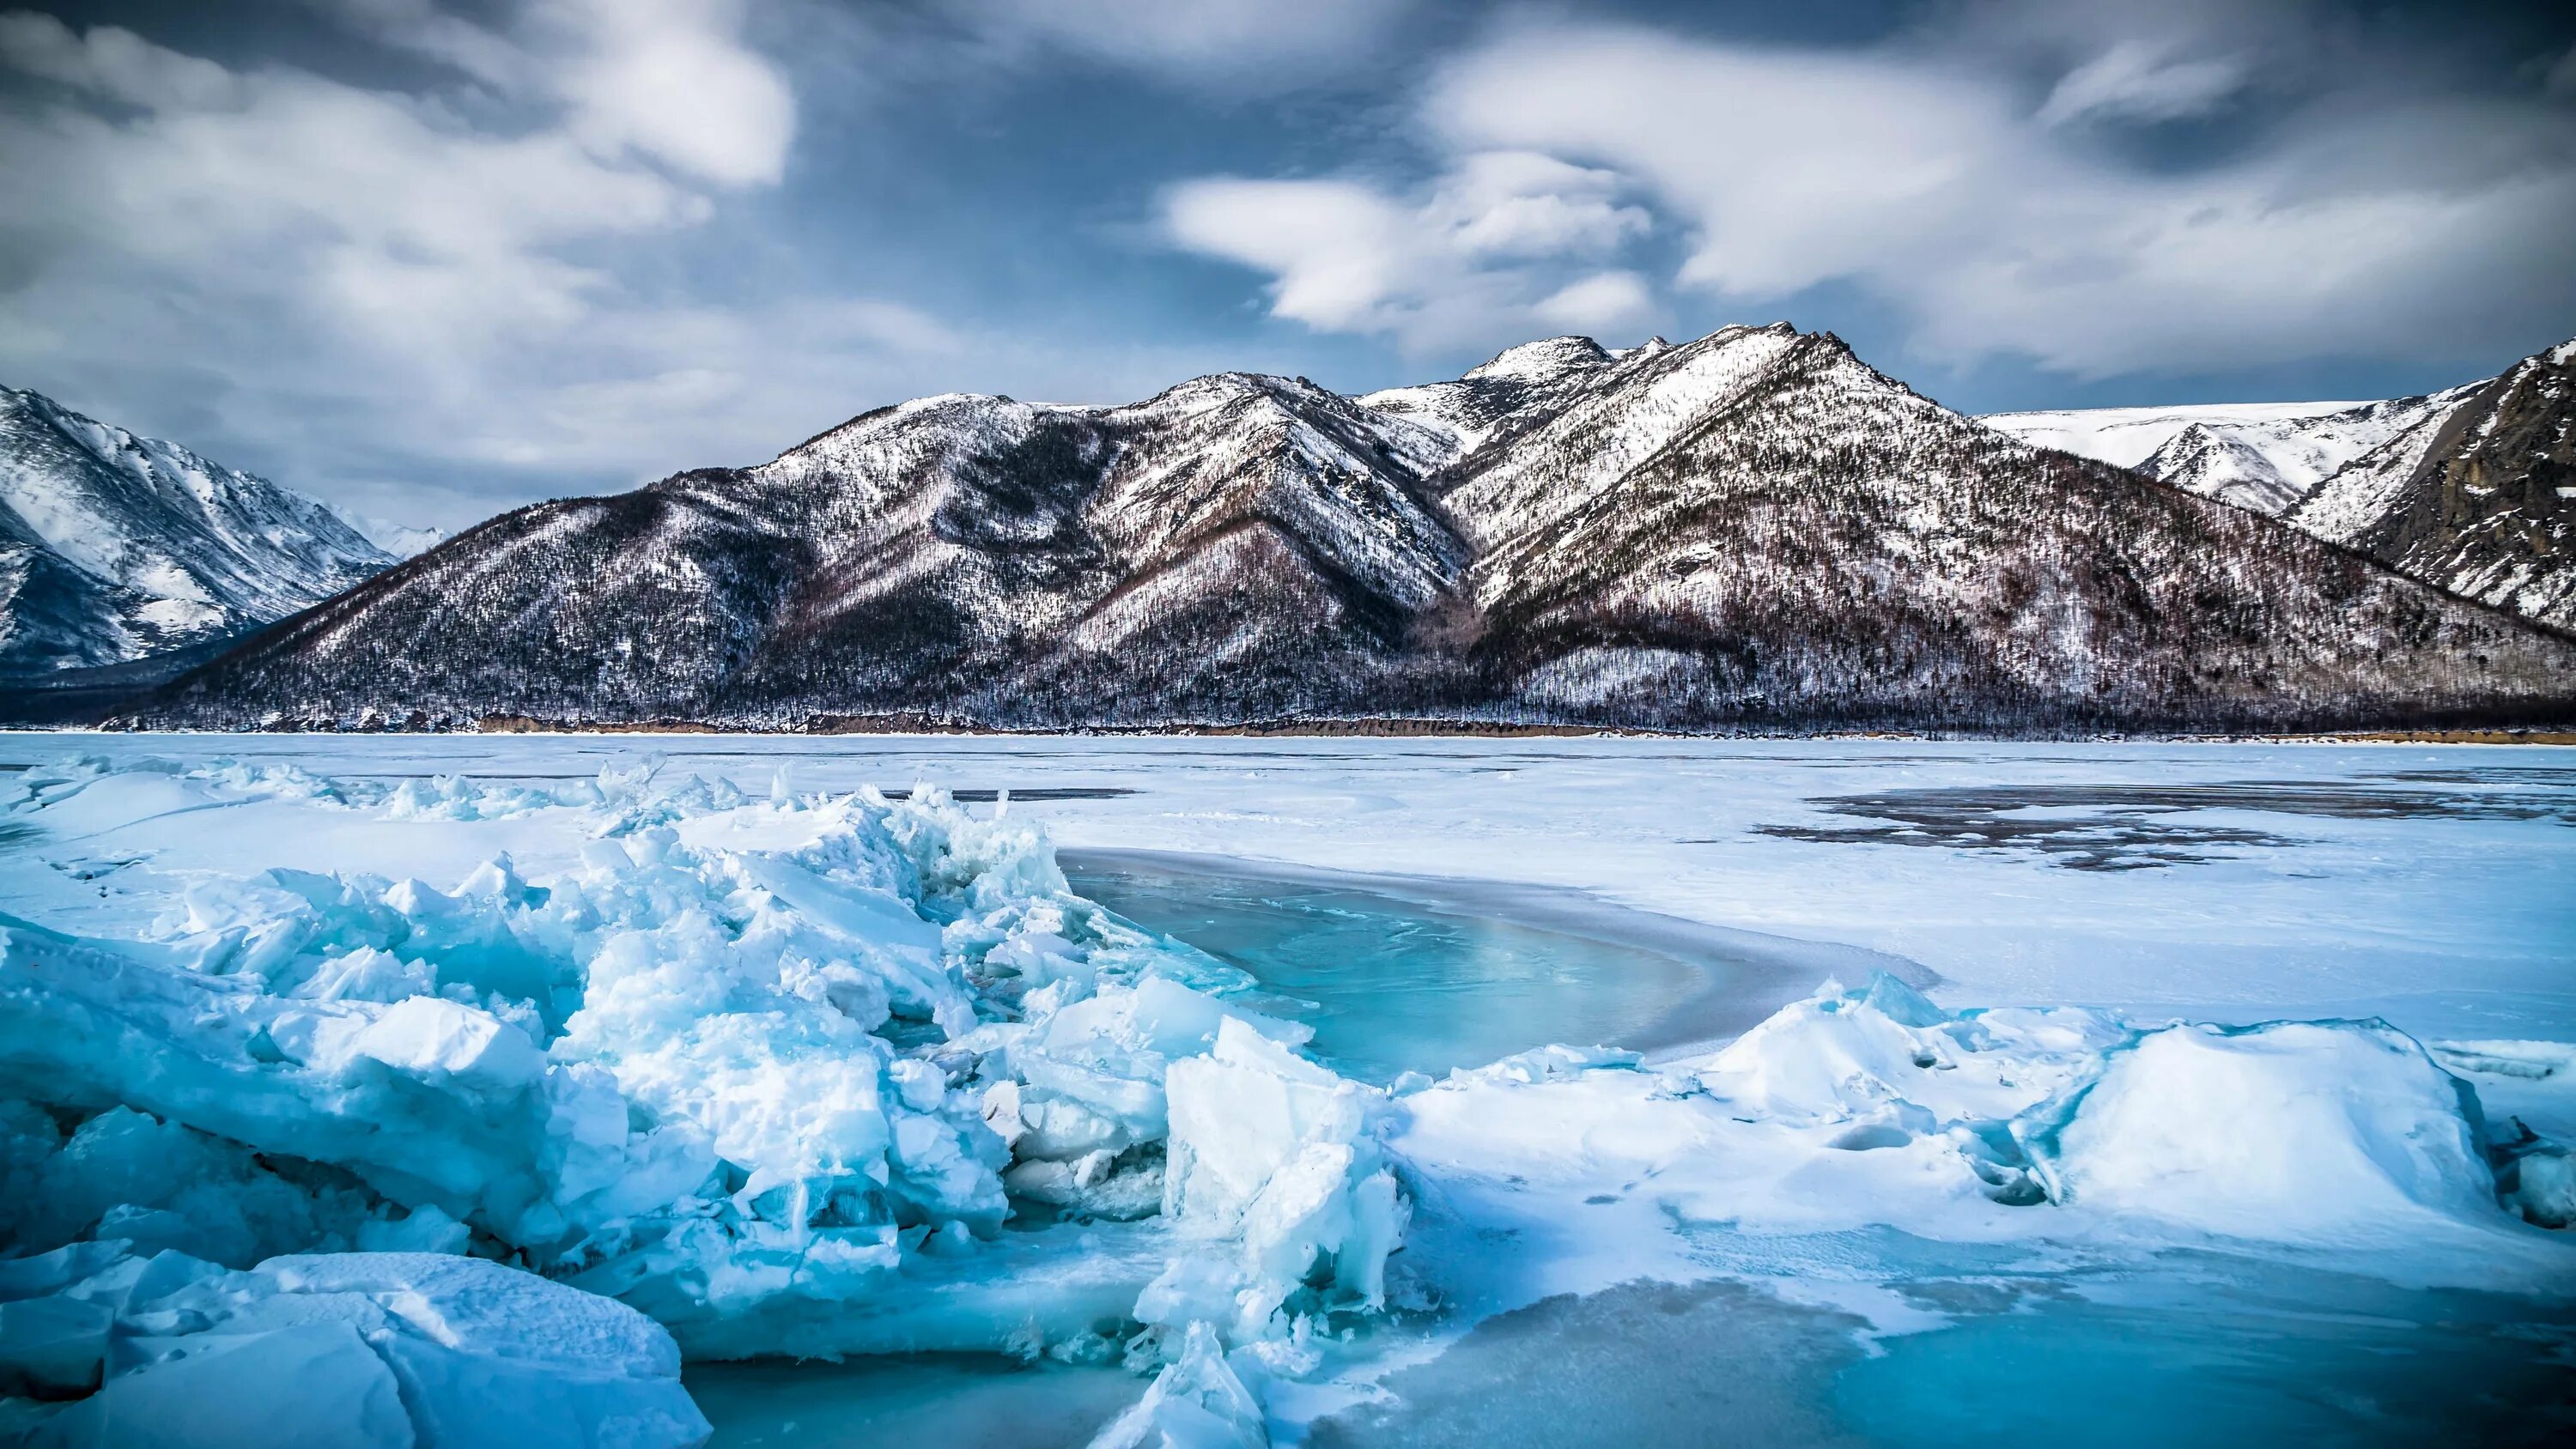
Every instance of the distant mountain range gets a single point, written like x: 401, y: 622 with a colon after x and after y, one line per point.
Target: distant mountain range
x: 2472, y: 490
x: 1754, y: 529
x: 115, y: 549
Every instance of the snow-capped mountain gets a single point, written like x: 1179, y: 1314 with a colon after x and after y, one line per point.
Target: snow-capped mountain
x: 1758, y: 524
x: 2465, y: 489
x: 114, y: 547
x: 1253, y: 542
x: 1517, y: 383
x: 402, y: 540
x: 2478, y: 496
x: 2263, y: 456
x: 1752, y: 528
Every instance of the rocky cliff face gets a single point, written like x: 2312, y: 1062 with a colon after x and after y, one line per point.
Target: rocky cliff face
x: 1754, y: 528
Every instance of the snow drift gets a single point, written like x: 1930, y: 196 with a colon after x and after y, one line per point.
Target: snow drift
x: 2289, y: 1128
x: 1875, y: 1106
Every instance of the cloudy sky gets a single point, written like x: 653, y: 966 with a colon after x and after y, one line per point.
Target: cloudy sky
x: 434, y: 257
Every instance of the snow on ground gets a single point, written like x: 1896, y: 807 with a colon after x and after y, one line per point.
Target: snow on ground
x: 776, y: 1063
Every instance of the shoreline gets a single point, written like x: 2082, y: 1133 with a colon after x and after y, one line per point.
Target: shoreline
x: 926, y: 727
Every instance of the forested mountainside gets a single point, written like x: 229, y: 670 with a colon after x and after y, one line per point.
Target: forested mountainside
x: 2468, y: 489
x: 114, y: 547
x: 1753, y: 529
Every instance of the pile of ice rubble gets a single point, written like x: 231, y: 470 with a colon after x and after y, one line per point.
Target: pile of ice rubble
x: 895, y: 1065
x: 370, y: 1161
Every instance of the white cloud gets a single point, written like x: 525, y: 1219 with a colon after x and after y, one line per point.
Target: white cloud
x: 1522, y: 204
x: 117, y: 64
x: 666, y: 79
x: 2367, y: 206
x: 1605, y: 302
x: 670, y: 79
x: 1255, y: 44
x: 376, y: 216
x: 419, y: 26
x: 348, y: 275
x: 2131, y: 81
x: 1340, y: 250
x: 1497, y: 245
x: 2395, y: 225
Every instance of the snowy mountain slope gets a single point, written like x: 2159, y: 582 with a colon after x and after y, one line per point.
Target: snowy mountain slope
x: 2458, y: 488
x: 402, y: 540
x: 56, y: 613
x: 2130, y: 436
x: 2477, y: 497
x: 1230, y: 526
x: 113, y: 547
x: 2263, y: 456
x: 2226, y: 464
x: 1553, y: 459
x: 1818, y: 542
x: 1517, y: 381
x: 1752, y: 528
x: 2269, y: 467
x: 1236, y: 543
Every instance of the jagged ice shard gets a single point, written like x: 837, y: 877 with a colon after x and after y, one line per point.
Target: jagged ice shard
x: 739, y: 1088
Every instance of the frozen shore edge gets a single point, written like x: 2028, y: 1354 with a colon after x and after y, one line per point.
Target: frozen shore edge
x: 1746, y: 975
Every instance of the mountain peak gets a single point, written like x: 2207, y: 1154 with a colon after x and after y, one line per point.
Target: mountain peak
x: 124, y: 546
x: 1545, y: 360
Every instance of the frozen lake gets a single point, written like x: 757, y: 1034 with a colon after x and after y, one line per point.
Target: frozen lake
x: 2433, y: 885
x: 1430, y: 905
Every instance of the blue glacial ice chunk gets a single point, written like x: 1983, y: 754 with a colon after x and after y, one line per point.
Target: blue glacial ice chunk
x: 725, y: 1081
x: 1198, y: 1402
x: 366, y: 1349
x: 1276, y: 1155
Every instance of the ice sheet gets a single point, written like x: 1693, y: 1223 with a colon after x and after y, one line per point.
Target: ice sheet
x: 2425, y: 883
x: 567, y: 941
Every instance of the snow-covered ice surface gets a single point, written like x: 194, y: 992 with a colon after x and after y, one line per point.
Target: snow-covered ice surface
x: 795, y: 1072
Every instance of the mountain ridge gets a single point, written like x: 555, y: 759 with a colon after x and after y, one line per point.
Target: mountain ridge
x: 1752, y: 529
